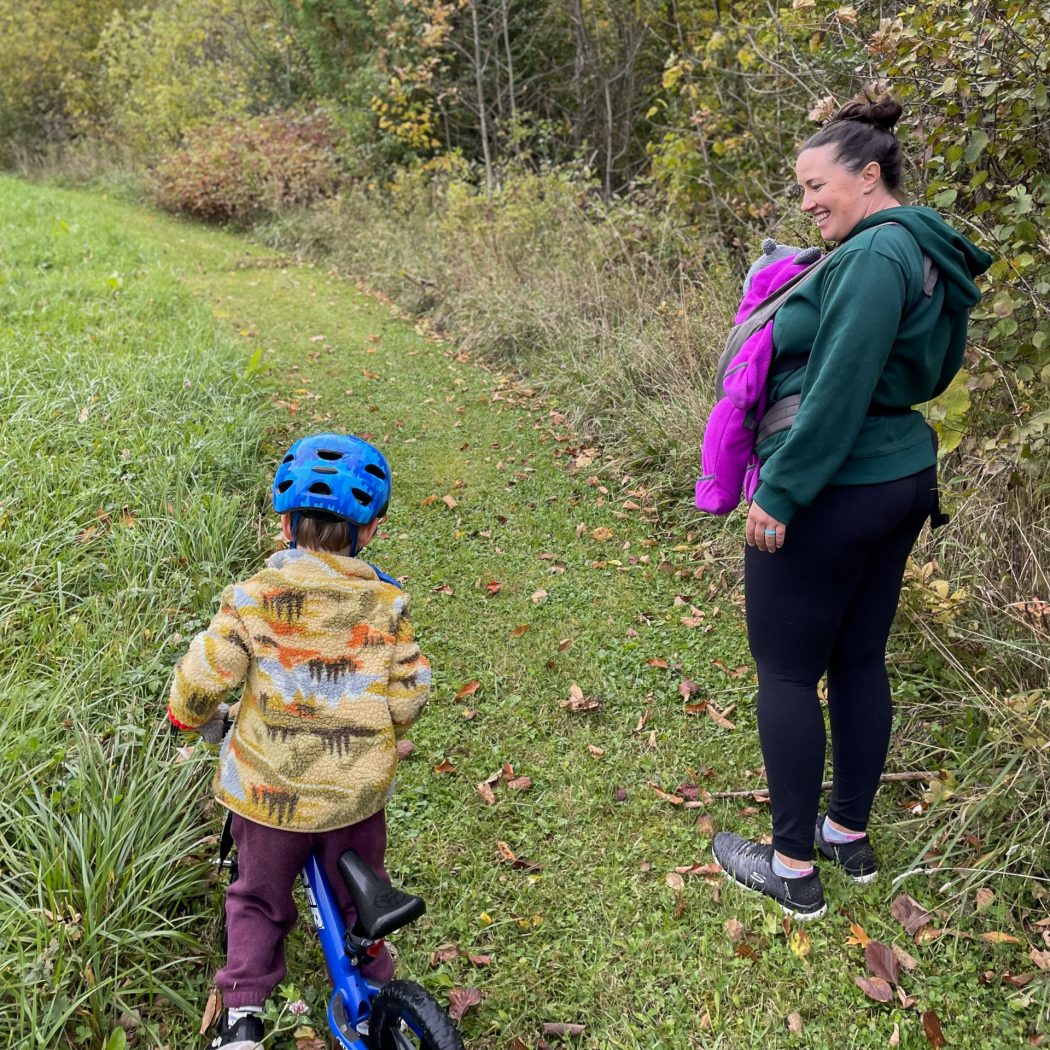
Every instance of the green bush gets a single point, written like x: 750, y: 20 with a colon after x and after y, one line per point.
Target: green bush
x: 241, y: 170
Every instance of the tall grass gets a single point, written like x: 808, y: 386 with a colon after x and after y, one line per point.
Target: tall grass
x: 129, y: 454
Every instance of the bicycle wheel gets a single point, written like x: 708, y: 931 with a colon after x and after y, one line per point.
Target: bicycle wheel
x: 406, y: 1017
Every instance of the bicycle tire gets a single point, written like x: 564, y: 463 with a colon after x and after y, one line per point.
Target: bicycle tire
x: 406, y: 1001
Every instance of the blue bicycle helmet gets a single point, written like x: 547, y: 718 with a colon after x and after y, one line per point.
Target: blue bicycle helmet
x: 336, y: 474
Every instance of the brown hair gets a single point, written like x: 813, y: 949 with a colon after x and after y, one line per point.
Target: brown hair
x: 322, y: 532
x: 862, y: 132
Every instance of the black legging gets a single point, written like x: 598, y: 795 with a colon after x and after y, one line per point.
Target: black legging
x: 823, y: 603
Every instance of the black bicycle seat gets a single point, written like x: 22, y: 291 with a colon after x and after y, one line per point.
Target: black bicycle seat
x: 381, y: 909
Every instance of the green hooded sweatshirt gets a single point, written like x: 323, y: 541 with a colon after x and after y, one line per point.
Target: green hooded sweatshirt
x: 875, y: 344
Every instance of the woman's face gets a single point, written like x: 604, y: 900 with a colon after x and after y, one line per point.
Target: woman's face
x: 835, y: 198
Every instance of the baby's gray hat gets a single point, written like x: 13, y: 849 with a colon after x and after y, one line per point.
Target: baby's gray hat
x: 771, y: 253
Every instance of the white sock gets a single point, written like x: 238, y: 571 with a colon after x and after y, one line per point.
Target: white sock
x: 235, y: 1013
x: 831, y: 834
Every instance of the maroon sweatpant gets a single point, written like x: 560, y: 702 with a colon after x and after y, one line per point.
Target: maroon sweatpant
x: 260, y: 911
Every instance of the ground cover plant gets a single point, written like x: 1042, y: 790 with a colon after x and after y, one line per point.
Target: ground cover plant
x: 591, y: 686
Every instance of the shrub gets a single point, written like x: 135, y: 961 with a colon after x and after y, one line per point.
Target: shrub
x: 241, y: 170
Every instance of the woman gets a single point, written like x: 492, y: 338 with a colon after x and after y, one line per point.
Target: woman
x: 844, y: 493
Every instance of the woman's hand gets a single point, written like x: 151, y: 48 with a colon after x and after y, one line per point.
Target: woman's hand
x: 764, y: 532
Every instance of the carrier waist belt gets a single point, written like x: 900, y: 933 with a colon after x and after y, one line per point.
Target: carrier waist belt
x: 781, y: 414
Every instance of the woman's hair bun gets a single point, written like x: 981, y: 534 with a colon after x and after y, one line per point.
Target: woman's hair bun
x: 882, y: 112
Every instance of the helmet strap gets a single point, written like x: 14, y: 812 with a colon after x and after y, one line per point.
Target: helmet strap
x: 352, y: 529
x: 296, y: 515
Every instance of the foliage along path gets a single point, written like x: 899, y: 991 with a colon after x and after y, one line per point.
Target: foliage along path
x: 591, y: 685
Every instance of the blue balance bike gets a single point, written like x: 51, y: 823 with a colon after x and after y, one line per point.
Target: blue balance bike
x: 399, y: 1015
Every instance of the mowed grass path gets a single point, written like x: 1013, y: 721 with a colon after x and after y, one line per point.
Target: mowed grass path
x: 534, y: 568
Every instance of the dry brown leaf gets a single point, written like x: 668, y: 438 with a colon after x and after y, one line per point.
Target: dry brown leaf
x: 577, y: 702
x: 404, y: 749
x: 909, y: 962
x: 310, y: 1042
x: 675, y: 881
x: 675, y: 800
x: 468, y: 689
x: 460, y: 1000
x: 881, y: 961
x: 469, y: 714
x: 520, y: 783
x: 563, y: 1028
x: 443, y: 953
x: 211, y: 1010
x: 602, y: 534
x: 895, y: 1035
x: 596, y: 752
x: 493, y: 586
x: 506, y: 854
x: 484, y: 789
x: 910, y: 914
x: 794, y: 1022
x: 707, y: 870
x: 875, y: 988
x: 734, y: 929
x: 444, y: 766
x: 997, y: 937
x: 687, y: 687
x: 1041, y: 959
x: 718, y: 718
x: 931, y: 1025
x: 538, y: 596
x: 564, y: 644
x: 984, y: 898
x: 656, y: 662
x: 519, y: 631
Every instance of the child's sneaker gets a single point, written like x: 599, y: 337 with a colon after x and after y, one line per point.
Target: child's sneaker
x: 243, y: 1034
x: 856, y: 858
x: 751, y: 864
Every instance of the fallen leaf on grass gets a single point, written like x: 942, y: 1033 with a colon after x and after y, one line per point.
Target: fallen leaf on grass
x: 444, y: 766
x: 881, y: 961
x: 564, y: 643
x: 619, y: 795
x: 469, y: 714
x: 538, y: 596
x: 687, y: 688
x: 444, y: 588
x: 858, y: 936
x: 794, y: 1022
x: 910, y: 914
x: 675, y: 881
x: 707, y: 870
x: 718, y: 718
x: 563, y: 1028
x: 1018, y: 980
x: 931, y: 1025
x: 87, y: 535
x: 450, y: 501
x: 656, y: 662
x: 602, y: 534
x: 984, y: 898
x: 484, y: 789
x: 596, y: 752
x: 520, y: 784
x: 460, y: 1000
x: 519, y: 631
x: 695, y: 709
x: 799, y: 942
x: 404, y: 748
x: 506, y: 854
x: 309, y: 1042
x: 469, y: 689
x: 909, y: 962
x: 875, y: 988
x: 675, y: 800
x: 895, y: 1035
x: 997, y: 937
x: 735, y: 672
x: 1041, y: 959
x: 734, y: 929
x: 443, y: 953
x: 211, y: 1010
x: 577, y: 702
x: 493, y: 586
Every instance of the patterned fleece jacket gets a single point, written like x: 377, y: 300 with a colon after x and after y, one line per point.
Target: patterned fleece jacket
x: 331, y: 674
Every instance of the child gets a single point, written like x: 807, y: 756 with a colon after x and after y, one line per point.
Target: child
x: 331, y: 674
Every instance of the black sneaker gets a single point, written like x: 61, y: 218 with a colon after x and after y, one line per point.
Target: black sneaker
x: 751, y: 864
x: 244, y: 1034
x: 856, y: 858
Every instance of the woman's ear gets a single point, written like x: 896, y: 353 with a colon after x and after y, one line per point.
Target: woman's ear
x: 871, y: 175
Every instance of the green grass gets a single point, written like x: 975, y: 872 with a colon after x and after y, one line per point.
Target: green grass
x: 597, y: 936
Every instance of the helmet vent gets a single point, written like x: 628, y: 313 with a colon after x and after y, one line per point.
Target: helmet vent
x: 285, y: 485
x: 329, y: 454
x: 378, y: 472
x: 325, y: 470
x: 320, y: 488
x: 362, y: 497
x: 288, y: 458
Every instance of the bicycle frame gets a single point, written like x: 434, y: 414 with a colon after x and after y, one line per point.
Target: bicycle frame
x: 352, y: 994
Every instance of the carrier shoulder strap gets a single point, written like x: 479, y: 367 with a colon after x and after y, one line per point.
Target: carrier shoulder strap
x: 740, y: 333
x: 781, y: 413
